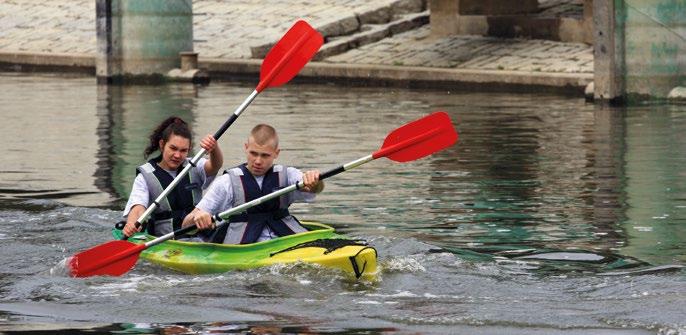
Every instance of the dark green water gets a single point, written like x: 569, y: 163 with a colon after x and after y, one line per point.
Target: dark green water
x: 549, y: 216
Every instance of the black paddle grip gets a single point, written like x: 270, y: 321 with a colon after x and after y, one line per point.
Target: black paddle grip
x: 331, y: 172
x: 184, y: 230
x: 225, y: 126
x: 123, y: 236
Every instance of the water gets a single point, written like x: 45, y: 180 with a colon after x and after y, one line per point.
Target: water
x: 549, y: 216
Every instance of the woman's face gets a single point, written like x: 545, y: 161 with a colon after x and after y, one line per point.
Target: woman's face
x: 174, y: 151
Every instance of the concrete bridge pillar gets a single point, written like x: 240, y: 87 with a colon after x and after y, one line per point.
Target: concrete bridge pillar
x: 141, y: 39
x: 637, y: 54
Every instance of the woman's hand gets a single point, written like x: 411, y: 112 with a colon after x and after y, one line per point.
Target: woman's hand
x: 130, y: 229
x: 208, y: 143
x: 131, y: 219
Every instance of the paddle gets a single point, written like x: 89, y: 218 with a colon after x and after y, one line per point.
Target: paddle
x: 286, y: 58
x: 412, y: 141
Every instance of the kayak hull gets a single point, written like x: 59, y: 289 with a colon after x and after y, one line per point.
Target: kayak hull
x: 319, y: 245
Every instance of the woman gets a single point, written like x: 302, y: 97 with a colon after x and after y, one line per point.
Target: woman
x: 173, y: 139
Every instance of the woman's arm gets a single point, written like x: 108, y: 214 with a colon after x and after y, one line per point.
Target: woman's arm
x: 216, y: 160
x: 134, y: 214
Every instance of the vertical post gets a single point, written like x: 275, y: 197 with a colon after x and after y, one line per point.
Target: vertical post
x: 444, y: 17
x: 587, y: 22
x: 107, y: 40
x: 608, y: 54
x: 189, y: 60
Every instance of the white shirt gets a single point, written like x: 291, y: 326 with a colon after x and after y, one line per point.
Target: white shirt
x: 219, y: 196
x: 141, y: 196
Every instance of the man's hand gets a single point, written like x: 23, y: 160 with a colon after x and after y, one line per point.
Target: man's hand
x: 200, y: 218
x: 311, y: 182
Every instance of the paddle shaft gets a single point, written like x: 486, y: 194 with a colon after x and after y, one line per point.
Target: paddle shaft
x: 389, y: 150
x: 243, y: 207
x: 383, y: 152
x: 144, y: 217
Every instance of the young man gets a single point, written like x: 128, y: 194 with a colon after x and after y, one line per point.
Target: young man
x: 251, y: 180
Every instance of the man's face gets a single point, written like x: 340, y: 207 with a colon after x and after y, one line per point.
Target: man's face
x: 174, y: 152
x: 260, y: 157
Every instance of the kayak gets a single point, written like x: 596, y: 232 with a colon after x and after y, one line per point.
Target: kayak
x: 319, y: 245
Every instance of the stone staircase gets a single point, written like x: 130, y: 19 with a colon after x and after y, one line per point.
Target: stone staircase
x: 369, y: 24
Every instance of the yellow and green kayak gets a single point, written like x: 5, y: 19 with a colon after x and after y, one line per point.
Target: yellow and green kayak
x: 319, y: 245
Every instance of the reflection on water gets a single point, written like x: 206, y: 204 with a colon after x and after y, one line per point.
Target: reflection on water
x: 533, y: 171
x: 541, y: 196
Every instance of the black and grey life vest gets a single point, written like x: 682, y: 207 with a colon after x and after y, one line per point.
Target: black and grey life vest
x: 169, y: 215
x: 247, y: 227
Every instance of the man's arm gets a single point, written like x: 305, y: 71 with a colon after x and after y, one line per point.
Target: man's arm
x: 219, y: 197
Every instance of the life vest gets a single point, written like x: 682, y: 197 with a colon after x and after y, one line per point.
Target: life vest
x: 171, y: 211
x: 247, y: 227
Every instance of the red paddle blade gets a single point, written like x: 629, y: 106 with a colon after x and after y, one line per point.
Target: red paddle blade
x: 113, y: 258
x: 289, y: 55
x: 418, y: 138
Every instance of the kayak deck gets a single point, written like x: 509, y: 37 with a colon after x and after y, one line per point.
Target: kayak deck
x: 319, y: 245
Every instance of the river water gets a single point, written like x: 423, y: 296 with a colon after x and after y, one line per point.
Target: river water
x: 549, y: 216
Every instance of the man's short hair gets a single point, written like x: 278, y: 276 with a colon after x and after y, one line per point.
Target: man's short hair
x: 263, y: 134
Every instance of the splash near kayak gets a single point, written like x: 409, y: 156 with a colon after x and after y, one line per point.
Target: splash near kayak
x: 320, y: 245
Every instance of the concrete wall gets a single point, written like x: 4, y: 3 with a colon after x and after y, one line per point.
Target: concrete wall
x: 141, y: 37
x: 655, y: 46
x: 639, y: 49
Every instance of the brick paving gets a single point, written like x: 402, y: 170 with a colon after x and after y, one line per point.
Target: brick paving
x: 238, y: 29
x: 418, y: 48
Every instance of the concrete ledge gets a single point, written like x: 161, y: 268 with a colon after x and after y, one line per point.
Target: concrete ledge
x: 406, y: 76
x: 346, y: 74
x: 32, y: 61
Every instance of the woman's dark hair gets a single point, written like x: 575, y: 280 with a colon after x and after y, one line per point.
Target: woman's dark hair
x: 172, y: 125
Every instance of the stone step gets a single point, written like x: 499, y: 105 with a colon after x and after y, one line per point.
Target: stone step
x: 372, y: 33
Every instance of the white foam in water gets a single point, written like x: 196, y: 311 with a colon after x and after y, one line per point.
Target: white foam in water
x: 367, y: 302
x: 404, y: 264
x: 113, y: 289
x: 62, y: 268
x: 399, y: 294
